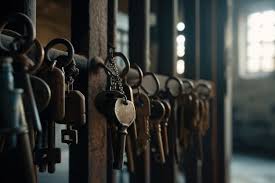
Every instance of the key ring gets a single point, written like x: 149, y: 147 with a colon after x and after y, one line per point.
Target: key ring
x: 62, y: 60
x: 140, y: 76
x: 24, y: 43
x: 112, y: 55
x: 203, y: 89
x: 179, y: 83
x: 188, y: 86
x: 156, y: 80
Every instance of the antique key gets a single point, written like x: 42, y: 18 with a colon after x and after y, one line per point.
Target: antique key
x: 74, y: 107
x: 143, y: 112
x: 121, y: 111
x: 164, y: 126
x: 157, y: 115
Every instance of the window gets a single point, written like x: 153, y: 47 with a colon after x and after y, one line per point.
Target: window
x: 260, y: 43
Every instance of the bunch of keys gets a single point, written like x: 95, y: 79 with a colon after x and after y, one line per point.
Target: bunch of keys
x: 113, y: 103
x: 47, y: 155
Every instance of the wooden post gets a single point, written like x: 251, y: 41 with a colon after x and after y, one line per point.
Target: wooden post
x: 88, y: 160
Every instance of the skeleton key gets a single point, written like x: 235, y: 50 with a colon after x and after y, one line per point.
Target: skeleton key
x: 164, y: 125
x: 55, y: 111
x: 143, y: 112
x: 157, y: 115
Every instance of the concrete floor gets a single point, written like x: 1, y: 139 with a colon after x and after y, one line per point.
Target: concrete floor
x: 246, y: 169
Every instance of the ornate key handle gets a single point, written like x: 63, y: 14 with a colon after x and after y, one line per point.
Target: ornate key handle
x: 153, y: 76
x: 62, y: 60
x: 22, y: 44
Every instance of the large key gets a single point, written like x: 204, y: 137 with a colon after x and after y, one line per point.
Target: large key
x: 55, y: 111
x: 164, y: 126
x: 143, y: 112
x: 121, y: 112
x: 157, y: 115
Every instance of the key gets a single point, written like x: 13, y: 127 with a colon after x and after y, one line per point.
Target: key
x: 157, y: 115
x: 143, y: 112
x: 120, y: 112
x: 132, y: 135
x: 164, y: 126
x: 55, y: 111
x: 53, y: 153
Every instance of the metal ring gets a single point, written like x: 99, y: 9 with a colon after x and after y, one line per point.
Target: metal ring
x: 35, y: 65
x: 70, y: 50
x: 125, y: 60
x: 40, y: 59
x: 22, y: 45
x: 156, y: 81
x: 178, y: 80
x: 140, y: 76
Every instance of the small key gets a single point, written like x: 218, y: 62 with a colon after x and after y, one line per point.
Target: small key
x: 164, y: 126
x: 143, y: 112
x: 157, y: 115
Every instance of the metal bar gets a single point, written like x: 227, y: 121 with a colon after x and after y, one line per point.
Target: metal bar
x: 166, y: 20
x: 89, y: 35
x: 209, y: 171
x: 166, y: 23
x: 139, y: 33
x: 139, y: 47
